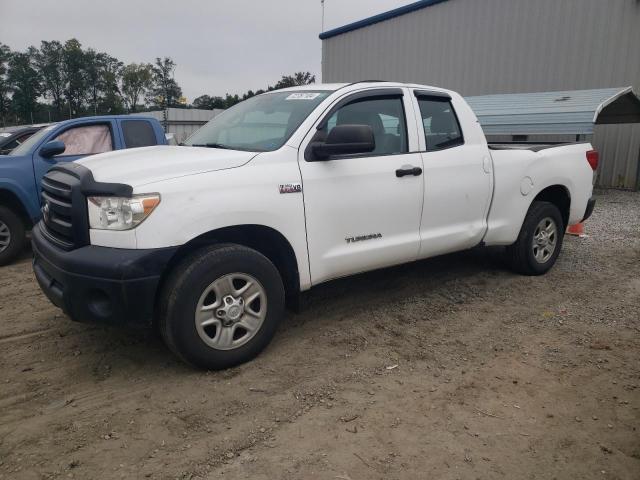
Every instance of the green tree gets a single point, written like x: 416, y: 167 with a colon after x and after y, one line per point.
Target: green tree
x: 297, y: 79
x: 101, y: 76
x: 209, y: 103
x: 231, y: 100
x: 165, y: 91
x: 49, y: 61
x: 111, y: 73
x: 74, y: 75
x: 5, y: 85
x: 91, y: 67
x: 24, y: 78
x: 136, y: 81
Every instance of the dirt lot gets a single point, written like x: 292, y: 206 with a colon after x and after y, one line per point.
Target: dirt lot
x: 448, y: 368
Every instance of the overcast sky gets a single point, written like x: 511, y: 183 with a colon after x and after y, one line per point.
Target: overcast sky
x: 219, y: 46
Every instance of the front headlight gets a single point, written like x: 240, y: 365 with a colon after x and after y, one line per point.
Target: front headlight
x: 119, y: 213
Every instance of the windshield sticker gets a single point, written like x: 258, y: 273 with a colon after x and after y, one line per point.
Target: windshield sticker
x: 302, y: 96
x: 3, y: 134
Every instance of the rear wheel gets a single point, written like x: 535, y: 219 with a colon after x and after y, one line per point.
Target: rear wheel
x: 12, y: 235
x: 221, y: 306
x: 539, y: 242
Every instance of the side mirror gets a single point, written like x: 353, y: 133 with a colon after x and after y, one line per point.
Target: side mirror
x: 49, y: 149
x: 345, y: 140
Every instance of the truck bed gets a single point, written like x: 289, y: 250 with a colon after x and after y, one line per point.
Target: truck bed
x: 534, y: 147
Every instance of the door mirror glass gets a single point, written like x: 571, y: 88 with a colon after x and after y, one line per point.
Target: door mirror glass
x: 345, y: 140
x: 54, y: 147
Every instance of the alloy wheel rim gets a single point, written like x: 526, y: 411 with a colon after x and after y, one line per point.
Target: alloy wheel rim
x: 5, y: 236
x: 545, y: 240
x: 231, y: 311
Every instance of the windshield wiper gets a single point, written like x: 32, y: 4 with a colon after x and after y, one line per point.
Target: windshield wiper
x: 212, y: 145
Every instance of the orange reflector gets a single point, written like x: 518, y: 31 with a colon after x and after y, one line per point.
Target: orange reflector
x: 149, y: 204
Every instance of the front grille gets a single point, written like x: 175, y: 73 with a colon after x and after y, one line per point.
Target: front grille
x: 57, y: 208
x: 65, y: 220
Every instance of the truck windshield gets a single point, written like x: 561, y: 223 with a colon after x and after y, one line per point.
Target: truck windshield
x: 25, y: 147
x: 261, y: 124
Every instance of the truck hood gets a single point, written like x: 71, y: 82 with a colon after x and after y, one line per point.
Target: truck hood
x: 140, y: 166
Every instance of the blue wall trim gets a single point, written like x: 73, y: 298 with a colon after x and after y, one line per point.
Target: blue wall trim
x: 381, y: 17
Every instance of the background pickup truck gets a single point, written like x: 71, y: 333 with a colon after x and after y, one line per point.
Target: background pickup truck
x: 21, y: 170
x: 287, y: 190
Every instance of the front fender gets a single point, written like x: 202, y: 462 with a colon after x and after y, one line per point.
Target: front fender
x: 25, y: 196
x: 196, y: 204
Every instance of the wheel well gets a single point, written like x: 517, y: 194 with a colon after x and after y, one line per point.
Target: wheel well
x: 269, y: 242
x: 559, y: 196
x: 10, y: 200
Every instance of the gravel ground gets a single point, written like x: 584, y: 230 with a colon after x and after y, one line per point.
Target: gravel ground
x: 449, y: 368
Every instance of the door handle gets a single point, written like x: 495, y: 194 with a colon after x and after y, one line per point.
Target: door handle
x: 408, y: 170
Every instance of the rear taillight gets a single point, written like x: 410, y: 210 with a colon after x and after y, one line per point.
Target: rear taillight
x: 592, y: 158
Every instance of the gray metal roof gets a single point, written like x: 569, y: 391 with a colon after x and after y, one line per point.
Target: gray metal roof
x: 565, y: 112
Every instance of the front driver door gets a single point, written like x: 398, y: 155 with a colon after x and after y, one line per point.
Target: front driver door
x: 363, y: 211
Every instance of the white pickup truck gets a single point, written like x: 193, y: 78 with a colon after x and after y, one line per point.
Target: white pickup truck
x: 286, y: 190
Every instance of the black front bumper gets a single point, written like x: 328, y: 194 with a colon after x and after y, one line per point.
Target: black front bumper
x: 99, y: 284
x: 590, y: 206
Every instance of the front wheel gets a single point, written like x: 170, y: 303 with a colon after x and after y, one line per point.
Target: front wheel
x: 12, y: 235
x: 221, y: 306
x: 539, y: 242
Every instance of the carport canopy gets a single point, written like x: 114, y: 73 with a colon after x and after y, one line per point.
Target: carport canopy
x: 555, y: 113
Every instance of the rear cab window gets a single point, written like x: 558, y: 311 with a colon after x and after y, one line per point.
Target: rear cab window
x: 138, y: 133
x: 440, y: 123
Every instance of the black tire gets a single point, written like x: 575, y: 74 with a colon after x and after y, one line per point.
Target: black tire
x: 17, y: 235
x: 520, y: 255
x: 187, y: 283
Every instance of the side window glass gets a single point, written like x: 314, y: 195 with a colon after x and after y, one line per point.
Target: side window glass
x: 138, y: 133
x: 11, y: 145
x: 386, y: 118
x: 441, y: 127
x: 86, y: 140
x: 24, y: 137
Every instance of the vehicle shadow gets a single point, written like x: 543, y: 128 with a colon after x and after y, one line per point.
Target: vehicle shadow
x: 395, y: 283
x: 123, y: 349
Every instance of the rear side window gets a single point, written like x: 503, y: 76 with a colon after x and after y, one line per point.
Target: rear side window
x: 440, y: 123
x: 138, y: 133
x: 86, y: 140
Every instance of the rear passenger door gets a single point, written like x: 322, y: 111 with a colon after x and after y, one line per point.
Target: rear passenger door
x: 457, y: 175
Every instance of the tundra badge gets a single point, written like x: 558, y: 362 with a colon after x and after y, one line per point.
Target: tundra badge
x: 361, y: 238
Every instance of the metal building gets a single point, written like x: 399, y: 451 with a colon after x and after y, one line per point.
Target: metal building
x: 480, y: 47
